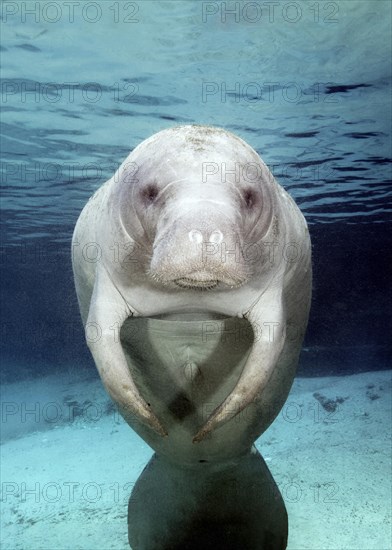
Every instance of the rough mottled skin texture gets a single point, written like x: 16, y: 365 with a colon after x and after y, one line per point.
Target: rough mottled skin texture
x: 195, y: 297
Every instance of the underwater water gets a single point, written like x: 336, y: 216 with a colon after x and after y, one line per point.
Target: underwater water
x: 307, y: 85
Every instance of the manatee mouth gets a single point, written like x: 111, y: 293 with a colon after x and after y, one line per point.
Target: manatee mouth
x: 196, y: 284
x: 197, y: 280
x: 204, y: 280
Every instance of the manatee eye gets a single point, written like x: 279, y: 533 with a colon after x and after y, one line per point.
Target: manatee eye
x: 150, y: 192
x: 250, y: 198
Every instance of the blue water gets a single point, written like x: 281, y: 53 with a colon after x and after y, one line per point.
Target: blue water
x: 308, y: 89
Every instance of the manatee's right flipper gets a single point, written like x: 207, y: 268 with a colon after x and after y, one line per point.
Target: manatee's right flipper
x: 108, y: 311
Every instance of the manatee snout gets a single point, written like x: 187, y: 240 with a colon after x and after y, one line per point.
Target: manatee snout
x: 199, y: 251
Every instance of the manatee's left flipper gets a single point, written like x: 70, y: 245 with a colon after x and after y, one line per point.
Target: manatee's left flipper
x: 268, y: 322
x: 107, y: 313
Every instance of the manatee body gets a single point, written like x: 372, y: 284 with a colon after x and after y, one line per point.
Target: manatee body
x: 192, y: 268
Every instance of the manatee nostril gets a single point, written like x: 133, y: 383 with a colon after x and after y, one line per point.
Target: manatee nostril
x: 216, y: 237
x: 195, y: 236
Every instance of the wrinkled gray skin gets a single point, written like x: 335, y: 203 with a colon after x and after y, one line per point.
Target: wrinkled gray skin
x: 193, y: 226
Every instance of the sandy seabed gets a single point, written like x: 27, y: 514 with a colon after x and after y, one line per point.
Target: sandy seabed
x: 69, y: 462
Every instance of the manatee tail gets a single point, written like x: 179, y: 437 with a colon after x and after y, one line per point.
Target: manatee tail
x: 228, y: 506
